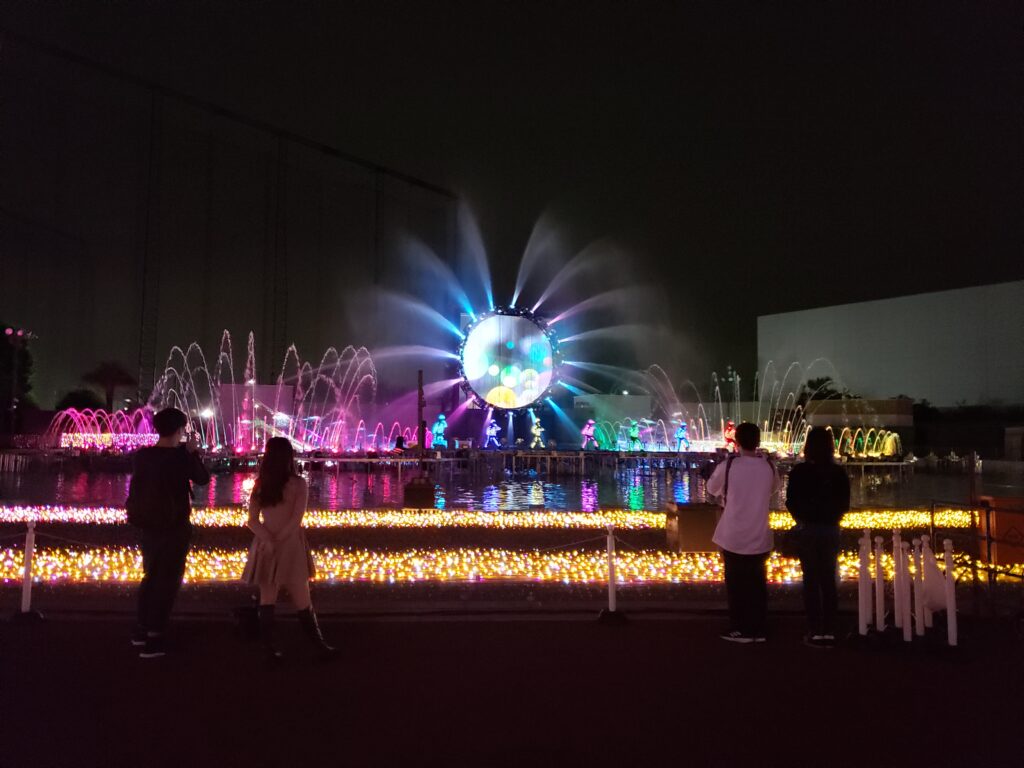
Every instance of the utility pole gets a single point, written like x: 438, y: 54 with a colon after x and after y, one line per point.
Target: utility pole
x: 421, y: 424
x: 17, y: 338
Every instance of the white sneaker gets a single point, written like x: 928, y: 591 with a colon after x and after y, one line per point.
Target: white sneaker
x: 738, y: 637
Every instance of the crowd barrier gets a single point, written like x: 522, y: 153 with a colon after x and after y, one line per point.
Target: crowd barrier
x: 916, y: 595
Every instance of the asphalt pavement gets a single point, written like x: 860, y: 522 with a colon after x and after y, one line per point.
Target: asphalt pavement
x: 503, y: 690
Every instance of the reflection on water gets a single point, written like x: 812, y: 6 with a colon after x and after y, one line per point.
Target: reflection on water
x: 681, y: 489
x: 627, y: 488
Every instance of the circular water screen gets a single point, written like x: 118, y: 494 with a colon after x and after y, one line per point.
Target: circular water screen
x: 508, y: 360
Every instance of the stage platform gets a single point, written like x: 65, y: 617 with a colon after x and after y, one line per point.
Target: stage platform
x: 547, y: 462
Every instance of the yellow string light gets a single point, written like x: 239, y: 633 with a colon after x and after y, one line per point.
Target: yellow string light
x: 227, y: 517
x: 575, y: 566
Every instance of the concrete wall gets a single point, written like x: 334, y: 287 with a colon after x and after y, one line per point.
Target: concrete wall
x: 1013, y: 448
x: 965, y: 345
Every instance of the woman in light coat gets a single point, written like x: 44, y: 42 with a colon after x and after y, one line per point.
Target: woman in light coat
x: 279, y: 556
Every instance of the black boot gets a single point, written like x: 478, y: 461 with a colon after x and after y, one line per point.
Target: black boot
x: 312, y: 629
x: 266, y: 616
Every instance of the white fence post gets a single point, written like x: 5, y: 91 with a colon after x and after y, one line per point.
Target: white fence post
x: 918, y: 590
x: 864, y: 584
x: 897, y: 583
x: 611, y: 614
x: 26, y: 581
x: 908, y: 629
x: 26, y: 613
x: 611, y: 569
x: 951, y: 627
x: 879, y: 586
x: 926, y: 552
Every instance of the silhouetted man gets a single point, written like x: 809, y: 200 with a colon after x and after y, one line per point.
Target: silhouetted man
x: 159, y: 504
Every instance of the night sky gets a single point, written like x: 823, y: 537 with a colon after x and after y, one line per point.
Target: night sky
x: 750, y: 159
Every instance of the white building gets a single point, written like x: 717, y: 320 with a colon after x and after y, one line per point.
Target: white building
x: 949, y: 347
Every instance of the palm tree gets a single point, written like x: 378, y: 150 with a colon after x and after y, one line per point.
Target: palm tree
x: 109, y: 376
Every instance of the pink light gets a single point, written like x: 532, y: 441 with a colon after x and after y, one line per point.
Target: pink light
x: 9, y: 331
x: 107, y: 440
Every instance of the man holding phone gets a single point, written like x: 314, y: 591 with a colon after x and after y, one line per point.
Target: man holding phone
x: 159, y: 504
x: 745, y: 483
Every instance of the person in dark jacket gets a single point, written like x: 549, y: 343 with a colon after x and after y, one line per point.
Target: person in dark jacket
x: 818, y: 495
x: 159, y: 504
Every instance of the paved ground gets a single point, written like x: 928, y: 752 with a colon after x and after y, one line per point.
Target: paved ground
x: 496, y: 691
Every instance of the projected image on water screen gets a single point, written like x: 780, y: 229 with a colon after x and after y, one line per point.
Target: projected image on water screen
x: 509, y: 359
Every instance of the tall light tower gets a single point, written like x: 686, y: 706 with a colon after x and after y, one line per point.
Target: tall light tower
x: 17, y: 338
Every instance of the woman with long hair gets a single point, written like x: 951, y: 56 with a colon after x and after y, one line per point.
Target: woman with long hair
x: 279, y: 556
x: 818, y: 495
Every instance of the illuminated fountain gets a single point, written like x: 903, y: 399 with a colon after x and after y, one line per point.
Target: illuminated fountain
x: 319, y: 407
x: 499, y: 362
x: 97, y: 430
x: 504, y: 360
x: 783, y: 409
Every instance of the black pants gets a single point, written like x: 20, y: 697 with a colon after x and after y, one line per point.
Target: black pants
x: 818, y: 546
x: 163, y: 565
x: 746, y: 586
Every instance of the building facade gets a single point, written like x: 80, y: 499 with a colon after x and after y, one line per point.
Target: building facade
x: 959, y: 347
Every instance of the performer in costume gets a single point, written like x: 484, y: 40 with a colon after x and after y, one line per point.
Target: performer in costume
x: 730, y: 435
x: 682, y: 437
x: 537, y: 430
x: 437, y: 431
x: 588, y: 435
x: 634, y: 436
x: 492, y: 429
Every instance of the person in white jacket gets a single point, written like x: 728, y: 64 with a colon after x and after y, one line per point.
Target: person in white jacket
x: 744, y: 483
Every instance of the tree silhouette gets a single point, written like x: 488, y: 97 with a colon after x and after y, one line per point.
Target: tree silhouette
x: 80, y: 399
x: 109, y: 376
x: 823, y: 388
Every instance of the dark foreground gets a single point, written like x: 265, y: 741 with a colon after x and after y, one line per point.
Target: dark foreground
x: 495, y: 691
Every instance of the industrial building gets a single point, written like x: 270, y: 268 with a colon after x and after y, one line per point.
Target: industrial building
x: 958, y: 347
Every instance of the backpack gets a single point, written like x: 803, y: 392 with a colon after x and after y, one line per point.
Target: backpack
x: 720, y: 500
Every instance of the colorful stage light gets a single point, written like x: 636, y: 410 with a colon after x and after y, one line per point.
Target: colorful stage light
x: 509, y: 359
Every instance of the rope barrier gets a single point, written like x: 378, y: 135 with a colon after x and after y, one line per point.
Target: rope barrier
x: 571, y: 544
x: 70, y: 541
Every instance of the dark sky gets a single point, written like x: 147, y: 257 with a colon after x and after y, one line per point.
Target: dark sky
x: 753, y: 158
